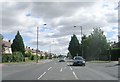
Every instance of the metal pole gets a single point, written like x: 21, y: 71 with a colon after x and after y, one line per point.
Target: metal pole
x: 81, y: 41
x: 109, y: 54
x: 37, y: 47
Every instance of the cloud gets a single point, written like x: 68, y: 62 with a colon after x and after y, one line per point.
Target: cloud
x: 60, y: 18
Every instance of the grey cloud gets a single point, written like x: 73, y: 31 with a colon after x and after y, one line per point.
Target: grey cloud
x: 41, y: 43
x: 68, y: 28
x: 10, y: 14
x: 112, y: 17
x: 54, y: 9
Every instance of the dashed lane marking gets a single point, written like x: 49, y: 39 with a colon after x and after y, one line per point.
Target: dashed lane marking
x: 75, y: 75
x: 61, y: 70
x: 49, y: 68
x: 71, y: 68
x: 42, y: 75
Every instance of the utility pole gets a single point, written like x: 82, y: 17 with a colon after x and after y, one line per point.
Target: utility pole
x: 37, y: 43
x: 37, y: 46
x: 81, y: 39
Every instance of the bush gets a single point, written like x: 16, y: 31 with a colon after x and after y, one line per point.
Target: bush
x: 45, y: 57
x: 41, y: 57
x: 28, y: 54
x: 31, y: 57
x: 17, y: 57
x: 6, y: 57
x: 114, y: 53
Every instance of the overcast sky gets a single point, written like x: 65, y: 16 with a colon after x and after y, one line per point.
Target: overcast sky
x: 60, y: 18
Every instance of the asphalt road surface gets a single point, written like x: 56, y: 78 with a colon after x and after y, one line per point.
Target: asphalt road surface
x: 54, y: 70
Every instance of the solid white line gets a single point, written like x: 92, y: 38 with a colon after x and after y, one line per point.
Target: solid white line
x: 49, y: 68
x: 42, y: 75
x: 75, y: 75
x: 61, y: 70
x: 71, y: 68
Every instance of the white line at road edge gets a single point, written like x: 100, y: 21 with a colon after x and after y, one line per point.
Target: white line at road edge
x: 75, y: 75
x: 61, y: 70
x: 49, y: 68
x: 71, y: 68
x: 42, y: 75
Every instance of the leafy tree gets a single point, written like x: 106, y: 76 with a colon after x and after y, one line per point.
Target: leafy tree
x: 18, y: 44
x: 69, y: 55
x: 84, y: 46
x: 94, y: 44
x: 74, y: 46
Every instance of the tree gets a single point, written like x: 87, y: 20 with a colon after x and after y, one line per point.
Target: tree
x: 18, y: 44
x: 84, y: 46
x: 74, y: 46
x: 94, y: 44
x: 69, y: 55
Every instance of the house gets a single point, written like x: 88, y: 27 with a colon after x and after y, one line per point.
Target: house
x: 6, y: 47
x: 114, y: 45
x: 33, y: 51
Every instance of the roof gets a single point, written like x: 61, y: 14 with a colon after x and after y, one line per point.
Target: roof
x: 6, y: 44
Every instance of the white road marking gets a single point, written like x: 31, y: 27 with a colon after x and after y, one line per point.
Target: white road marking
x: 67, y: 63
x: 49, y: 68
x: 42, y: 75
x: 71, y: 68
x: 75, y: 75
x: 61, y: 70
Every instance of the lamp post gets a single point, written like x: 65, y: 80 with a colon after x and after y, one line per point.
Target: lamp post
x: 110, y: 54
x: 37, y: 43
x: 81, y: 39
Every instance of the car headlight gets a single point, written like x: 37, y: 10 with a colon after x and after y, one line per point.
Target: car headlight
x: 83, y: 61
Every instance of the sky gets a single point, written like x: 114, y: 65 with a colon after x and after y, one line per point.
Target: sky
x: 60, y: 19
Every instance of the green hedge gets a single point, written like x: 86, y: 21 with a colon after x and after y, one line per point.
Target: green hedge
x: 115, y: 53
x: 15, y: 57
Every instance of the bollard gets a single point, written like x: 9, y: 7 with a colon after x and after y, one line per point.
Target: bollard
x: 118, y: 61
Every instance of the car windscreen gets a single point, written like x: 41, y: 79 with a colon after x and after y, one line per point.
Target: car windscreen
x: 78, y: 58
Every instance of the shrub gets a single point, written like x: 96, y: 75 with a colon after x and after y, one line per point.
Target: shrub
x: 5, y: 57
x: 28, y: 54
x: 41, y: 57
x: 31, y: 57
x: 17, y: 57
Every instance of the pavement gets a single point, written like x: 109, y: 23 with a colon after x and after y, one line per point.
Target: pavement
x: 54, y: 70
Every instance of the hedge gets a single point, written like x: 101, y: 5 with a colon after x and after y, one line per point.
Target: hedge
x: 15, y: 57
x: 115, y: 53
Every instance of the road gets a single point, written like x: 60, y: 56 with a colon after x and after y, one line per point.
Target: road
x: 54, y: 70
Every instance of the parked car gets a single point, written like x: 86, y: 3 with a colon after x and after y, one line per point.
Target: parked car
x: 78, y: 60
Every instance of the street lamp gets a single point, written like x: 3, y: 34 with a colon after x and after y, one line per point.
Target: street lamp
x: 81, y: 38
x: 37, y: 43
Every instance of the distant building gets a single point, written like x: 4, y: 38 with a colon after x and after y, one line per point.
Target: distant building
x: 6, y: 47
x: 114, y: 45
